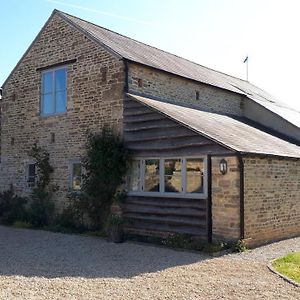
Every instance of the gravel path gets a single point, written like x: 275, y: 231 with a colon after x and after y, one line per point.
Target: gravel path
x: 45, y: 265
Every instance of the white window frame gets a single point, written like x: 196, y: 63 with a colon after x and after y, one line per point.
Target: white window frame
x: 161, y: 193
x: 52, y: 70
x: 30, y: 184
x: 71, y: 166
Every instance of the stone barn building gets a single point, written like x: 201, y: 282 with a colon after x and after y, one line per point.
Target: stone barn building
x: 214, y: 156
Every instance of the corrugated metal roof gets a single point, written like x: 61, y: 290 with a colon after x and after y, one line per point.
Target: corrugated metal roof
x: 147, y: 55
x: 225, y: 130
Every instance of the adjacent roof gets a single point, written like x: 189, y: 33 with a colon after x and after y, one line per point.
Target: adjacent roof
x: 147, y: 55
x: 224, y: 130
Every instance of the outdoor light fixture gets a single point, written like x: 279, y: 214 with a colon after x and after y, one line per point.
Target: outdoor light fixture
x: 223, y: 166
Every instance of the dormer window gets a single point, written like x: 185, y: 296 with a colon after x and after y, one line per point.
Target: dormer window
x: 54, y: 92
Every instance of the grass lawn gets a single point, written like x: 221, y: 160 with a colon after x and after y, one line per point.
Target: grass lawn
x: 289, y: 266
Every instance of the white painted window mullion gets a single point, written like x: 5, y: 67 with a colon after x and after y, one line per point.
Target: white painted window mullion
x: 161, y: 175
x: 183, y: 175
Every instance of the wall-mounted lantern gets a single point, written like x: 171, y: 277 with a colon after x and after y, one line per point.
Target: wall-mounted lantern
x: 223, y: 166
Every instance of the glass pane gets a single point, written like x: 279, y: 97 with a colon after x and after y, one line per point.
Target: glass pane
x: 194, y: 175
x: 76, y: 176
x: 173, y: 175
x: 47, y: 82
x: 151, y: 175
x: 61, y: 102
x: 60, y: 80
x: 134, y: 176
x: 31, y: 172
x: 47, y: 104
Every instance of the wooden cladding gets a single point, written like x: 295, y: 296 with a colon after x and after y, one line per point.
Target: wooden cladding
x: 162, y: 216
x: 150, y: 133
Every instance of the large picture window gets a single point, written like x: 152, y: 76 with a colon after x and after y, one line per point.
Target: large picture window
x: 174, y: 177
x: 54, y: 92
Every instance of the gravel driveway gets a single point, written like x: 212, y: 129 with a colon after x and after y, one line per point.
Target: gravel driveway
x: 43, y: 265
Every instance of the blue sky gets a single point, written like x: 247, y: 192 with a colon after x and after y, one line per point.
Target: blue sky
x: 217, y: 33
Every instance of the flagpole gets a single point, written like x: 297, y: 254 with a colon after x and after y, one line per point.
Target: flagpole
x: 246, y: 61
x: 247, y: 70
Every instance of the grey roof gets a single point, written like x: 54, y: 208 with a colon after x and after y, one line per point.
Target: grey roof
x: 147, y: 55
x: 224, y: 130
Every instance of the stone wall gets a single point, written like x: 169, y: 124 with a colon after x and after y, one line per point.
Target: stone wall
x: 272, y: 199
x: 174, y: 89
x: 226, y: 200
x: 95, y: 97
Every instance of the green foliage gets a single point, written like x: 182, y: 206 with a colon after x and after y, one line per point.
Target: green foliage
x: 289, y: 266
x: 72, y: 217
x: 115, y: 220
x: 12, y: 207
x: 45, y: 170
x: 105, y: 166
x: 183, y: 241
x: 41, y: 208
x: 22, y: 224
x: 240, y: 246
x: 177, y: 241
x: 120, y: 197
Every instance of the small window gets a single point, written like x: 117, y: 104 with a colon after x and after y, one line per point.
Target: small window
x: 31, y: 174
x: 76, y: 176
x: 140, y: 82
x: 197, y: 95
x: 54, y: 92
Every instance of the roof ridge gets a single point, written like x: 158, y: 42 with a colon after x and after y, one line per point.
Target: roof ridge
x: 125, y: 36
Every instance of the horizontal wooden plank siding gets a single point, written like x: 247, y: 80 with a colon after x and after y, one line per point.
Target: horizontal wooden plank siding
x: 149, y: 133
x: 162, y: 216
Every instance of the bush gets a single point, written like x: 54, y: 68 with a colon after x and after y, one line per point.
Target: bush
x: 41, y: 209
x: 105, y: 166
x: 12, y: 207
x: 72, y: 217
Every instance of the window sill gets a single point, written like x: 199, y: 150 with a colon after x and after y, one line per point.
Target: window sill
x: 168, y: 195
x: 42, y: 116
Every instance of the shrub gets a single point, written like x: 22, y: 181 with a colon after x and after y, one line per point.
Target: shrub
x: 41, y: 208
x: 105, y: 166
x: 73, y: 216
x: 12, y: 207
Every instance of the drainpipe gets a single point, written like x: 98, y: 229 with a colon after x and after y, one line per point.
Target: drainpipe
x: 126, y: 76
x: 242, y: 203
x: 209, y: 200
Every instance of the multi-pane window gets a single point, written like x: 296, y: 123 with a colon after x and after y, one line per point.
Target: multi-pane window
x: 54, y: 92
x: 168, y: 176
x: 76, y: 178
x: 31, y: 174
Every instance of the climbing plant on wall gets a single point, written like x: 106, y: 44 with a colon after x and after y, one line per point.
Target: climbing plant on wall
x: 105, y: 165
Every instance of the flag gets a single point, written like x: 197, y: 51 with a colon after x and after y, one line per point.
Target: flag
x: 246, y: 59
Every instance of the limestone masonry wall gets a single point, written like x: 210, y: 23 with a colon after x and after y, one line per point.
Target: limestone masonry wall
x: 226, y: 200
x: 272, y: 199
x: 95, y: 97
x: 155, y: 83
